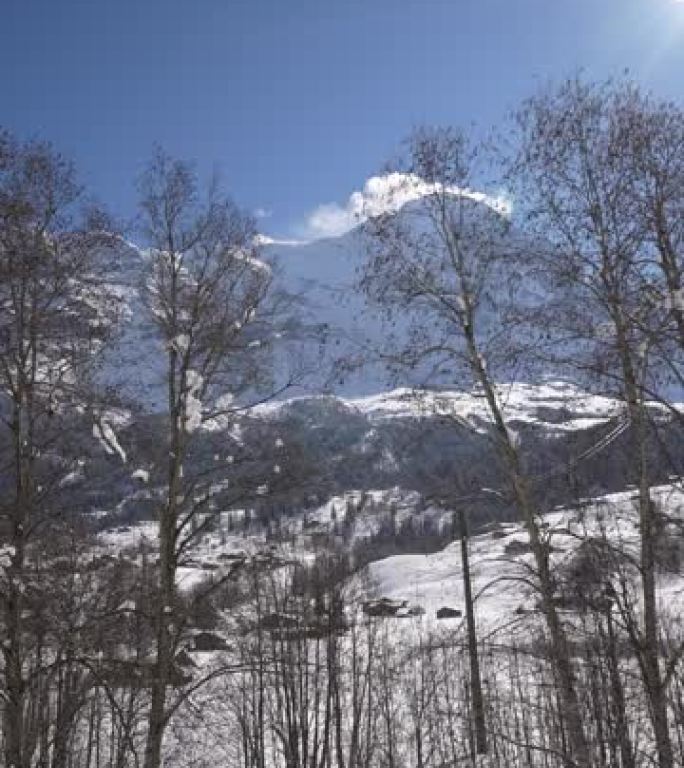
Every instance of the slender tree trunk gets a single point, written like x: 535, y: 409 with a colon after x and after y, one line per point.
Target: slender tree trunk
x: 14, y: 651
x: 670, y: 267
x: 648, y: 530
x: 162, y: 667
x: 561, y: 659
x: 157, y: 719
x: 618, y: 695
x: 164, y: 618
x: 475, y: 681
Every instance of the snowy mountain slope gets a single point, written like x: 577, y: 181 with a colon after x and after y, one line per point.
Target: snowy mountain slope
x: 320, y: 275
x: 499, y: 556
x: 362, y: 436
x: 133, y: 365
x: 510, y: 633
x: 337, y: 320
x: 323, y: 274
x: 499, y: 563
x: 326, y: 273
x: 437, y: 446
x: 557, y: 405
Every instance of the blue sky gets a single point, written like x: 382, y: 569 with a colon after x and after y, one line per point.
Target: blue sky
x: 299, y: 101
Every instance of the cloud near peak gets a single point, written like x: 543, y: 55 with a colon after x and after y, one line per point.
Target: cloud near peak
x: 380, y: 194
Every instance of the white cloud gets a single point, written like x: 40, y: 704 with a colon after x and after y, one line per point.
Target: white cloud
x: 263, y: 213
x: 381, y: 194
x: 265, y: 240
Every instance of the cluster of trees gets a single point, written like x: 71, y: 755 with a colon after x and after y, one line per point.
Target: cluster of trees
x: 311, y: 682
x: 587, y: 278
x: 585, y: 274
x: 212, y: 304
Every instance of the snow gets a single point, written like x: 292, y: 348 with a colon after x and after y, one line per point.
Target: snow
x: 436, y: 580
x: 235, y: 433
x: 103, y: 431
x: 225, y: 401
x: 252, y: 261
x: 323, y: 273
x: 261, y: 240
x: 129, y: 537
x: 181, y: 343
x: 7, y: 553
x: 505, y: 603
x: 72, y: 477
x: 558, y: 406
x: 675, y: 300
x: 189, y: 577
x: 193, y: 405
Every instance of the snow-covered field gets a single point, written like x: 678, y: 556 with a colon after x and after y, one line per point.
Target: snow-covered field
x: 502, y: 597
x: 505, y: 612
x: 500, y: 566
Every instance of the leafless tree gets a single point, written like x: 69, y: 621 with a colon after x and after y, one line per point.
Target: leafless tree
x: 54, y: 317
x: 213, y: 303
x: 601, y: 208
x: 451, y: 264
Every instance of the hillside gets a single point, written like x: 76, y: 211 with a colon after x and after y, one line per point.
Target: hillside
x: 329, y: 323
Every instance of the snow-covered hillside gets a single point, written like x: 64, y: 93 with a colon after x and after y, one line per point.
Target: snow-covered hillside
x: 328, y: 272
x: 555, y: 405
x: 320, y: 275
x: 500, y: 559
x: 334, y: 319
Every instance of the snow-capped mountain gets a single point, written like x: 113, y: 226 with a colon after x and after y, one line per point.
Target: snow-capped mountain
x: 366, y: 434
x: 336, y: 322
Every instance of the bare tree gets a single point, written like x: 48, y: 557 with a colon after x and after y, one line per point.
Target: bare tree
x: 652, y: 131
x: 53, y: 318
x: 449, y: 262
x: 588, y: 193
x: 212, y: 300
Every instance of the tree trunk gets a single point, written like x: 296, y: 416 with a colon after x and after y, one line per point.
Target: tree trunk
x: 475, y: 681
x: 157, y: 719
x: 13, y: 651
x: 648, y: 530
x: 559, y: 648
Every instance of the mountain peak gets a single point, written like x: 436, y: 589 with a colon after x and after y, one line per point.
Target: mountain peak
x: 383, y: 194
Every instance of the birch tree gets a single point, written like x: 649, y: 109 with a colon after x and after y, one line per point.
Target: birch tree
x: 590, y: 183
x: 213, y: 303
x: 53, y: 322
x: 448, y: 269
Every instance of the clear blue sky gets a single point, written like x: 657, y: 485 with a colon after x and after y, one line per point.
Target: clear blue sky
x: 299, y: 101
